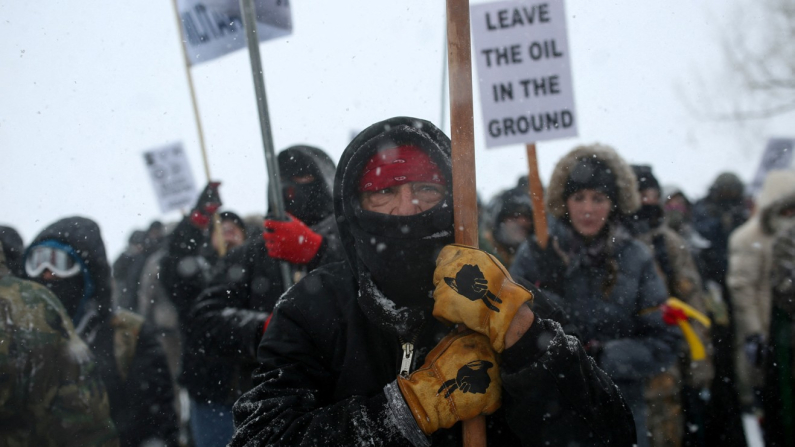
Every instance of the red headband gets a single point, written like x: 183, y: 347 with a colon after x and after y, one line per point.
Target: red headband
x: 399, y: 165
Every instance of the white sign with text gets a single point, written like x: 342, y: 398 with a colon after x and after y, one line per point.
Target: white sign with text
x: 522, y: 58
x: 213, y: 28
x: 171, y: 177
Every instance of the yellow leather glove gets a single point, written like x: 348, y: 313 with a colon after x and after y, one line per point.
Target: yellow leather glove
x: 459, y: 381
x: 474, y: 289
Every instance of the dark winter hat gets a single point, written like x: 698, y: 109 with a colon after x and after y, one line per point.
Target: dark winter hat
x: 604, y: 162
x: 309, y: 202
x: 646, y: 178
x: 727, y: 187
x: 229, y: 216
x: 591, y: 173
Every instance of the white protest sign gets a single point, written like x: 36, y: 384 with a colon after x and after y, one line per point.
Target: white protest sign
x: 522, y: 56
x: 777, y: 155
x: 171, y: 177
x: 213, y: 28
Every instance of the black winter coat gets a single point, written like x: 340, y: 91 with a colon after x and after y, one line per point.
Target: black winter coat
x: 225, y: 323
x: 325, y: 365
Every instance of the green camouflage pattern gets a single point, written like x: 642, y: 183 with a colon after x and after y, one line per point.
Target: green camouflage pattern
x: 50, y: 391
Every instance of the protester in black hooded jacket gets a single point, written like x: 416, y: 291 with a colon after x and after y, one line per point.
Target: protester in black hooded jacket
x: 228, y: 318
x: 69, y: 258
x: 339, y: 338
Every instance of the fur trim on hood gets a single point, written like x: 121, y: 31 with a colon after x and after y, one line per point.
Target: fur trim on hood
x: 778, y: 193
x: 628, y: 196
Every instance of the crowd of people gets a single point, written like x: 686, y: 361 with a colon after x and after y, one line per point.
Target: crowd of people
x: 644, y: 318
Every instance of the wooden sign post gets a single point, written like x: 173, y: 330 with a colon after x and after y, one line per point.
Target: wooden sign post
x: 465, y: 208
x: 537, y: 196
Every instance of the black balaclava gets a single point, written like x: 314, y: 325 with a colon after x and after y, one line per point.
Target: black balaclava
x: 649, y: 216
x: 393, y: 257
x: 70, y: 291
x: 512, y: 203
x: 309, y: 202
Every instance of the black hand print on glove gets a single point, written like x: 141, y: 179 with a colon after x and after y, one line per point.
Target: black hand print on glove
x: 470, y: 283
x: 471, y: 378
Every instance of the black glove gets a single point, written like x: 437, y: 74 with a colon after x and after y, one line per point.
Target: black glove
x: 208, y: 203
x: 755, y: 350
x: 551, y: 266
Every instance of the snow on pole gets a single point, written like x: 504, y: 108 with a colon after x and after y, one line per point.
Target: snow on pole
x: 250, y: 25
x: 462, y: 135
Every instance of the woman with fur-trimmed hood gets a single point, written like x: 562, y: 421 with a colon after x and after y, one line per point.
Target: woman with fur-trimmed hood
x: 604, y: 279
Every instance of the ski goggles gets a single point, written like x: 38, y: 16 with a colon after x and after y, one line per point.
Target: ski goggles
x: 56, y: 260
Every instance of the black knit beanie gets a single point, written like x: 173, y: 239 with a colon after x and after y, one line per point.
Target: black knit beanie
x: 646, y: 178
x: 591, y: 173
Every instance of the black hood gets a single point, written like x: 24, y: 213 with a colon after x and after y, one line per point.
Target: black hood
x: 13, y: 248
x: 83, y: 236
x: 393, y: 257
x: 310, y: 203
x: 513, y: 202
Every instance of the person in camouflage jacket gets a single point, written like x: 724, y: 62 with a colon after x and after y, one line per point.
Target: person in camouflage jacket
x: 50, y: 391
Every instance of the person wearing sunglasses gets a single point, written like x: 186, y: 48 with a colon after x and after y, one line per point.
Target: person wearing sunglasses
x: 68, y: 257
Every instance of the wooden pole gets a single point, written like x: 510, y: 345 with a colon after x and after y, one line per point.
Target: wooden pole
x: 461, y: 123
x: 465, y: 210
x: 537, y: 196
x: 186, y: 59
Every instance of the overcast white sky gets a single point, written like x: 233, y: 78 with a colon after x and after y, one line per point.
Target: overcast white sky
x: 86, y: 86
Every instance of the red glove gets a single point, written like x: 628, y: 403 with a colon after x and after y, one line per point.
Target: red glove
x: 208, y: 203
x: 291, y: 240
x: 671, y: 315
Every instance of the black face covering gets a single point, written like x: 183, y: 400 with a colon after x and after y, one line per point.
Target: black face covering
x: 309, y: 202
x: 647, y: 218
x: 68, y: 290
x: 397, y: 255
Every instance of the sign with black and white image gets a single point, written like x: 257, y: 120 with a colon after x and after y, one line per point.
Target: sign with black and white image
x: 213, y: 28
x: 172, y: 179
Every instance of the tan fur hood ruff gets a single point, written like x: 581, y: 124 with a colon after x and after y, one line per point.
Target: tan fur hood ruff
x: 628, y: 197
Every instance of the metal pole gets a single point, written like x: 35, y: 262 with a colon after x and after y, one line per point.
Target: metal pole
x: 250, y: 25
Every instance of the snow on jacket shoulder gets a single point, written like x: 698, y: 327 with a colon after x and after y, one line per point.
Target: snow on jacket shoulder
x: 324, y: 366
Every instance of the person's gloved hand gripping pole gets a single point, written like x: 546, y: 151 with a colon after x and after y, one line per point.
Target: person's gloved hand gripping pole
x: 291, y: 240
x: 474, y: 289
x: 208, y: 203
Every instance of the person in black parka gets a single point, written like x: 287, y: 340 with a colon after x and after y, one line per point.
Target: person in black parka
x: 69, y: 258
x: 341, y: 358
x: 229, y: 317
